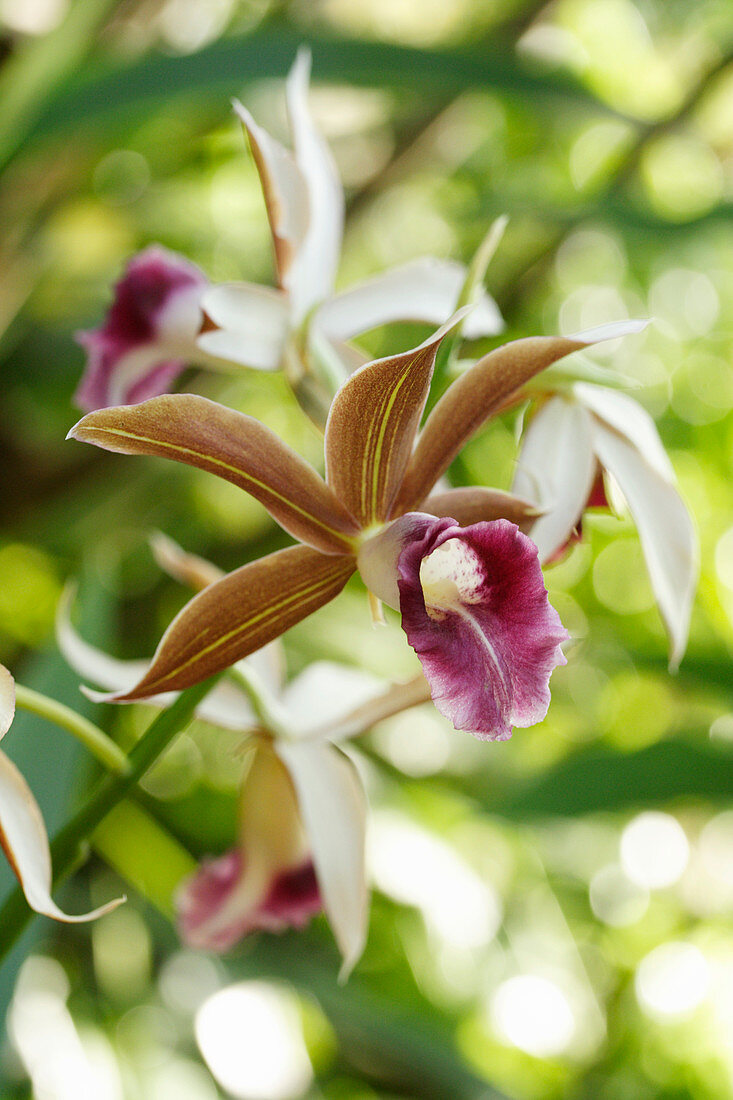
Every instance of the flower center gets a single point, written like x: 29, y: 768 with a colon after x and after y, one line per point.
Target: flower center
x: 450, y: 577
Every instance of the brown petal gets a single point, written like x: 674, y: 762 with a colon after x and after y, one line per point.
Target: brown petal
x: 371, y: 428
x: 476, y: 504
x: 240, y: 613
x: 237, y: 447
x: 479, y: 393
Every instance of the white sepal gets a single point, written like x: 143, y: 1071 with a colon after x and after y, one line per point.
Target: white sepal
x: 333, y: 808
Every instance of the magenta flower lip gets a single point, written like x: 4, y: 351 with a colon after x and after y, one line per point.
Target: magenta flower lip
x: 475, y: 610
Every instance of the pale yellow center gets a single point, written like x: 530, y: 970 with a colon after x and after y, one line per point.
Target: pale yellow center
x: 451, y: 577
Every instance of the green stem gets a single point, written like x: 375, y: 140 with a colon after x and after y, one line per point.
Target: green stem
x: 69, y: 843
x: 102, y: 747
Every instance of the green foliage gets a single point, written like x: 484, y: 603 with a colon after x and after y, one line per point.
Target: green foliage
x: 613, y: 164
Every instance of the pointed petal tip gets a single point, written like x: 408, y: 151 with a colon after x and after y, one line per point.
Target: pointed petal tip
x: 610, y: 331
x: 349, y: 962
x: 449, y: 325
x: 96, y: 696
x: 81, y: 918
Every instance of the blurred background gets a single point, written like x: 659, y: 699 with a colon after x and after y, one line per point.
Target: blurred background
x: 551, y: 917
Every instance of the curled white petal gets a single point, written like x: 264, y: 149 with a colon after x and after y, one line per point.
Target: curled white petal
x: 7, y: 700
x: 626, y: 416
x: 667, y: 536
x: 333, y: 808
x: 555, y: 469
x: 22, y: 831
x: 314, y: 267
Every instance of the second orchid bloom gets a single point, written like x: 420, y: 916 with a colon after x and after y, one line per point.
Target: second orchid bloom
x: 457, y: 564
x: 166, y: 314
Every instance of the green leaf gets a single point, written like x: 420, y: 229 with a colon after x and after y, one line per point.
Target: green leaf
x: 144, y: 853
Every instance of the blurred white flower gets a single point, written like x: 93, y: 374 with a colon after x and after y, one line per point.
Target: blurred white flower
x: 261, y: 327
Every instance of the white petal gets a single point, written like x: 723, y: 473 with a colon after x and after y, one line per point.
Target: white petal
x: 611, y: 331
x: 226, y: 705
x: 7, y: 700
x: 393, y: 700
x: 285, y: 190
x: 627, y: 417
x: 333, y: 808
x: 313, y: 271
x: 325, y: 693
x: 252, y: 324
x: 23, y: 837
x: 179, y: 321
x: 92, y: 663
x: 422, y: 290
x: 555, y: 469
x: 665, y: 529
x: 269, y: 665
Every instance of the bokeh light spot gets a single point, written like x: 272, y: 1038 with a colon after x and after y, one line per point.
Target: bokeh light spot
x: 533, y: 1014
x: 252, y: 1040
x: 672, y: 980
x: 654, y: 850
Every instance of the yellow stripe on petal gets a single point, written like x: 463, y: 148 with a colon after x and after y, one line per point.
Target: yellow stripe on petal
x: 236, y: 447
x: 371, y: 428
x: 240, y: 613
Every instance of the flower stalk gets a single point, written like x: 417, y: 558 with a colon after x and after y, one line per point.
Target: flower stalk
x: 102, y: 747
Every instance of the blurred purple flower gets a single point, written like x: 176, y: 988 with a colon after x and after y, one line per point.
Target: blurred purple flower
x: 149, y: 334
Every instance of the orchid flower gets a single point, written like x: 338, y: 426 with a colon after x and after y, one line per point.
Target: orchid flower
x: 264, y: 328
x: 472, y: 599
x: 22, y: 831
x: 301, y: 804
x: 589, y: 428
x: 149, y: 334
x: 165, y: 313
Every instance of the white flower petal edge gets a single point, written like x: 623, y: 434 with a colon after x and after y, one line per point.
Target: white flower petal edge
x: 630, y: 419
x: 667, y: 535
x: 562, y: 444
x: 22, y: 831
x: 333, y: 808
x: 324, y: 693
x: 425, y: 289
x: 285, y: 192
x: 555, y: 469
x: 313, y: 271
